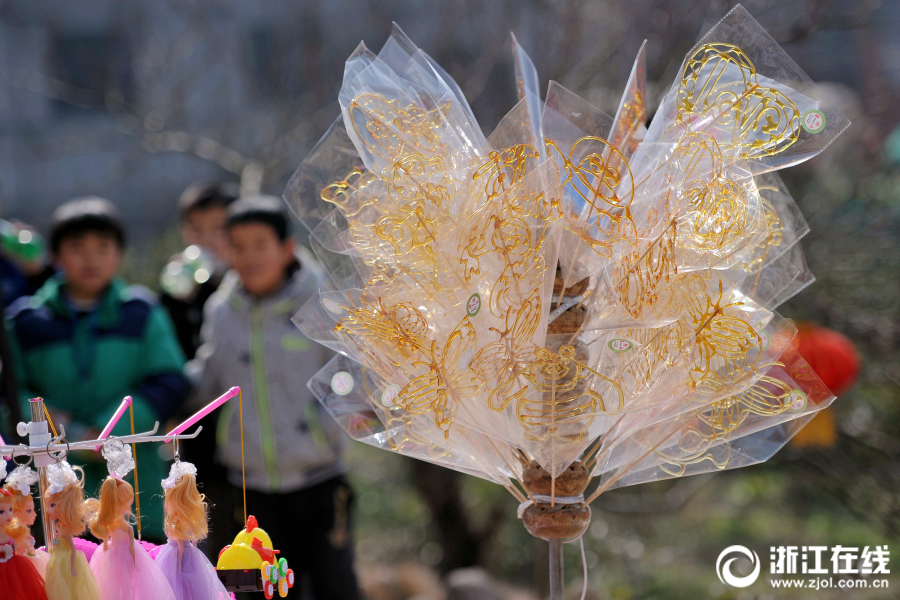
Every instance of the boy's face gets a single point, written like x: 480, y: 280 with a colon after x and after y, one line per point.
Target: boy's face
x: 89, y: 261
x: 206, y: 228
x: 259, y: 257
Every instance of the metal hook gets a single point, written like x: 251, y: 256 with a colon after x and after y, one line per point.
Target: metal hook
x: 27, y: 453
x: 177, y: 457
x: 60, y: 455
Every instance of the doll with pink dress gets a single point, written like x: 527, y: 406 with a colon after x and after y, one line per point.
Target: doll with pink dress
x: 123, y: 568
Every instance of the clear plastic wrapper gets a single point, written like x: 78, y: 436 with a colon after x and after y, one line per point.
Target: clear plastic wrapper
x: 575, y: 286
x: 734, y: 432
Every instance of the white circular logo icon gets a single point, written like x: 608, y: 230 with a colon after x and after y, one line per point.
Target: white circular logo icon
x: 724, y: 570
x: 764, y: 340
x: 342, y: 383
x: 331, y: 306
x: 390, y: 394
x: 797, y: 400
x: 814, y: 121
x: 473, y: 305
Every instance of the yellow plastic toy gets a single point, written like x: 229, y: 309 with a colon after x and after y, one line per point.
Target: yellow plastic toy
x: 249, y: 564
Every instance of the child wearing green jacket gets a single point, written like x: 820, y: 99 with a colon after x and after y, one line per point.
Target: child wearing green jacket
x: 86, y: 340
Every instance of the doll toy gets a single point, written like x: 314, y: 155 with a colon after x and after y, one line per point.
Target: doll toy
x: 188, y: 571
x: 19, y: 483
x: 123, y: 569
x: 68, y: 574
x: 18, y: 577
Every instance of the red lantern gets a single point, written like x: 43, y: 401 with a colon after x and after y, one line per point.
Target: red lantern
x: 835, y: 360
x: 831, y: 355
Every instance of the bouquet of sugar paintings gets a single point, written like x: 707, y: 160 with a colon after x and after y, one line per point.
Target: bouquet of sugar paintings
x: 577, y: 302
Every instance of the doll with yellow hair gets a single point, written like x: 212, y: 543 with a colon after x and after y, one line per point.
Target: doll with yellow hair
x: 123, y: 569
x: 188, y: 571
x: 68, y: 574
x: 18, y: 577
x: 19, y: 483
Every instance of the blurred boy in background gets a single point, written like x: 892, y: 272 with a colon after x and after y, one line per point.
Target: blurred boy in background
x: 86, y: 340
x: 295, y: 477
x: 202, y: 210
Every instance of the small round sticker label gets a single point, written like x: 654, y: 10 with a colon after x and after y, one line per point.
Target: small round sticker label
x: 390, y: 394
x: 813, y: 121
x: 797, y: 401
x: 620, y: 345
x: 342, y: 383
x: 331, y: 306
x: 473, y: 305
x: 764, y: 340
